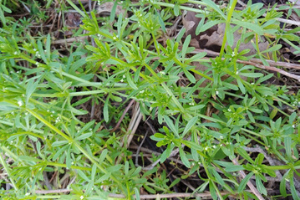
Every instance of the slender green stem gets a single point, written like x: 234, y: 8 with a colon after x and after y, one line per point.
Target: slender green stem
x: 8, y: 172
x: 64, y: 165
x: 170, y: 5
x: 70, y: 140
x: 232, y: 6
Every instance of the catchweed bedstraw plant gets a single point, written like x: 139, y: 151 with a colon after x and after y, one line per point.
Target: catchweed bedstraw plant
x: 40, y: 130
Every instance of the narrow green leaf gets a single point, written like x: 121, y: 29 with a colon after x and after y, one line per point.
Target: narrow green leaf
x: 273, y: 48
x: 93, y: 172
x: 103, y: 178
x: 184, y: 158
x: 241, y: 86
x: 244, y: 182
x: 219, y: 179
x: 288, y: 146
x: 161, y: 21
x: 185, y: 46
x: 189, y: 75
x: 130, y: 81
x: 244, y: 154
x: 229, y: 37
x: 206, y: 26
x: 102, y: 156
x: 113, y: 11
x: 189, y: 125
x: 171, y: 125
x: 84, y: 136
x: 137, y: 194
x: 292, y: 117
x: 82, y: 175
x: 255, y: 28
x: 105, y: 110
x: 48, y: 47
x: 260, y: 187
x: 59, y: 143
x: 293, y: 190
x: 259, y: 159
x: 212, y: 190
x: 215, y: 7
x: 68, y: 158
x: 176, y: 10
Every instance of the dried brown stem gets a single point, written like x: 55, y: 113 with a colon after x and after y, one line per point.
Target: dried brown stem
x: 250, y: 185
x: 123, y: 115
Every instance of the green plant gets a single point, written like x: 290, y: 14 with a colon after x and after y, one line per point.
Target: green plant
x: 40, y: 105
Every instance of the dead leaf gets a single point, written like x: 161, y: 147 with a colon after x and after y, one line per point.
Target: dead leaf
x: 73, y: 19
x: 212, y: 38
x: 107, y: 8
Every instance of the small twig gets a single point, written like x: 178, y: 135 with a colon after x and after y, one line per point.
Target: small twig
x: 242, y: 3
x: 272, y: 163
x: 147, y: 196
x: 123, y: 115
x: 274, y: 69
x: 139, y: 148
x: 52, y: 191
x: 70, y: 40
x: 250, y: 185
x: 46, y: 180
x: 255, y: 60
x: 134, y: 123
x: 186, y: 183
